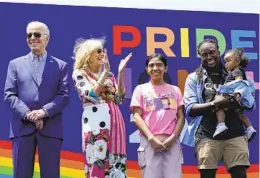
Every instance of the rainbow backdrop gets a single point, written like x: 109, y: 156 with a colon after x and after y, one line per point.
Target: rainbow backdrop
x: 72, y: 166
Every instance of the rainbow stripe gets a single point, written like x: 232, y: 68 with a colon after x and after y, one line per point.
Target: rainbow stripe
x: 72, y: 166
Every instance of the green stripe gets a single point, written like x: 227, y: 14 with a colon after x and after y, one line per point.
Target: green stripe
x: 6, y: 170
x: 9, y: 171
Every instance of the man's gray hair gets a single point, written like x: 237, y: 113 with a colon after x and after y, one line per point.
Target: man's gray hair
x: 39, y: 24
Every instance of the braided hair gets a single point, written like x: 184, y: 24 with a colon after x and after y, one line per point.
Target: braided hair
x: 239, y: 53
x: 212, y: 41
x: 199, y: 70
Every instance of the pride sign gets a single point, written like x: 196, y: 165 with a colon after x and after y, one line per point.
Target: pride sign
x: 173, y: 33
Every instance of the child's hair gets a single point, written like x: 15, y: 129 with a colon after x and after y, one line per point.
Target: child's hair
x: 239, y: 53
x: 156, y: 55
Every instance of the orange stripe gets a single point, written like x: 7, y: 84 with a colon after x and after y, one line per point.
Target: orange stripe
x: 75, y: 160
x: 134, y: 173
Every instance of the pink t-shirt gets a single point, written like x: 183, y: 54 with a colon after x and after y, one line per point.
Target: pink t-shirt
x: 159, y: 106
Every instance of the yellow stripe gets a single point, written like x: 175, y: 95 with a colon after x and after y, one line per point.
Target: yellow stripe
x: 64, y: 171
x: 185, y: 49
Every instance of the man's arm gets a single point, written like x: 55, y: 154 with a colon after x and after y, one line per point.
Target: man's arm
x: 192, y: 106
x: 17, y: 106
x: 191, y: 101
x: 62, y: 98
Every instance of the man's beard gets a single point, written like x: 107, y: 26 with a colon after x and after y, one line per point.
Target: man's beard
x: 216, y: 68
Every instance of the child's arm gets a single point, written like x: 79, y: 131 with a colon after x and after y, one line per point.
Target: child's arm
x: 238, y: 74
x: 239, y: 78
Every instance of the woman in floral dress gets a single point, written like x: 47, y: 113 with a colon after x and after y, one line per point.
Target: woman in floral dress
x: 103, y: 127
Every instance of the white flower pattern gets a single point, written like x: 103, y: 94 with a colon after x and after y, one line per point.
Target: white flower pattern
x: 112, y: 160
x: 86, y: 169
x: 117, y: 166
x: 116, y: 173
x: 96, y: 127
x: 90, y: 154
x: 100, y: 149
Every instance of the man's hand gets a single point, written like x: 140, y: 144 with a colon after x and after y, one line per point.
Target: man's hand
x: 39, y: 124
x: 35, y: 115
x: 222, y: 101
x: 27, y: 114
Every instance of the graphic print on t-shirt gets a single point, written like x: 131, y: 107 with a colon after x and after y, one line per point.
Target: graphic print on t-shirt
x: 162, y: 101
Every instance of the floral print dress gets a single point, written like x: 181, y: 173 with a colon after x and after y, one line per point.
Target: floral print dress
x: 103, y: 127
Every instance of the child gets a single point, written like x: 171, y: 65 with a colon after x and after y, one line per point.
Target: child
x: 158, y: 114
x: 237, y: 86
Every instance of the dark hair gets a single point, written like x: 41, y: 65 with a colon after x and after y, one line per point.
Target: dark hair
x: 239, y: 53
x: 156, y: 55
x: 212, y: 41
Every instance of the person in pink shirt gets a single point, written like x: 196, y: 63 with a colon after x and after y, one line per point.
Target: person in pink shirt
x: 158, y: 114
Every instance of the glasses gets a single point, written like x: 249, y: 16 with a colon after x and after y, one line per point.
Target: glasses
x: 100, y: 50
x: 35, y: 34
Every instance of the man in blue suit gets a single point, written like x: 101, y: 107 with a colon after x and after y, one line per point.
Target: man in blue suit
x: 36, y: 91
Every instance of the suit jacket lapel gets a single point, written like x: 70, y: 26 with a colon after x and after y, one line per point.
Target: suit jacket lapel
x: 30, y: 67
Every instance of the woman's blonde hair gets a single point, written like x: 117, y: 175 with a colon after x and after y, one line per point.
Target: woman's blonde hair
x: 83, y: 49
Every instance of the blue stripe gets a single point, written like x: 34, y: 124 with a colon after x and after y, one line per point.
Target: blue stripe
x: 5, y: 176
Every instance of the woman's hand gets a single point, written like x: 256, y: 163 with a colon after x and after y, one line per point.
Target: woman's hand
x: 106, y: 62
x: 169, y: 142
x: 123, y: 63
x: 157, y: 144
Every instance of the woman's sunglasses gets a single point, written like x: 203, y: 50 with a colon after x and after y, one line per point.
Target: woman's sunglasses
x: 100, y: 50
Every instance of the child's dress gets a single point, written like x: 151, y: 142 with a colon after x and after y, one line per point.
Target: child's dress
x: 245, y: 87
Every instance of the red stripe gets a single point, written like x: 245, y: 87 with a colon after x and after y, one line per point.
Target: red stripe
x: 5, y: 144
x: 115, y: 125
x: 123, y: 135
x: 111, y: 130
x: 121, y: 132
x: 72, y: 156
x: 122, y: 128
x: 118, y: 141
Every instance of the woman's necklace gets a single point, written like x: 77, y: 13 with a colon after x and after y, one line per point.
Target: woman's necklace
x: 96, y: 75
x: 92, y: 77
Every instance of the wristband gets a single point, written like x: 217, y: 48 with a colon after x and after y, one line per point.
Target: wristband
x: 92, y: 94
